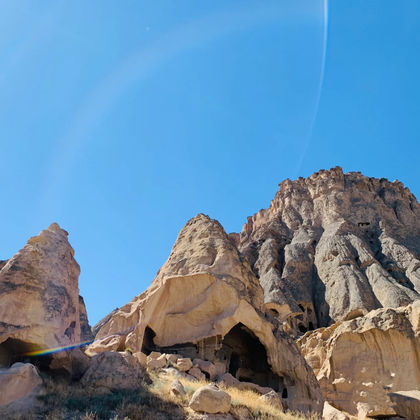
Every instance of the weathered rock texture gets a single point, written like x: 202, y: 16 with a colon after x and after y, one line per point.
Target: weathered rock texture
x: 207, y: 303
x: 18, y: 382
x: 334, y: 246
x: 113, y: 370
x: 39, y: 297
x: 210, y: 399
x: 358, y: 362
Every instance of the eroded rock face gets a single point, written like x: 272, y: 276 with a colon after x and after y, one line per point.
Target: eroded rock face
x: 113, y: 370
x: 334, y: 246
x: 18, y: 382
x: 85, y: 330
x: 206, y: 303
x: 39, y: 298
x: 358, y: 362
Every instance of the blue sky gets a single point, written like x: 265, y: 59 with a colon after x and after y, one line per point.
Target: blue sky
x: 122, y: 120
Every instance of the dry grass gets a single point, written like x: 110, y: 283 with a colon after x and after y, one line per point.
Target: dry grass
x: 241, y: 399
x: 151, y: 401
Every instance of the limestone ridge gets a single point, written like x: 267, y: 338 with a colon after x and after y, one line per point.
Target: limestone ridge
x: 206, y: 303
x: 40, y: 306
x: 334, y: 246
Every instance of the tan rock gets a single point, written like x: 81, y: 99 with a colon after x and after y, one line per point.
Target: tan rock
x: 17, y: 382
x: 156, y: 362
x: 273, y: 399
x: 207, y: 367
x: 114, y: 342
x: 223, y: 310
x: 113, y: 370
x: 141, y: 357
x: 406, y: 403
x: 154, y: 355
x: 331, y: 413
x: 183, y: 364
x: 228, y: 380
x: 85, y: 330
x: 358, y: 362
x: 177, y: 388
x: 210, y: 399
x: 173, y: 358
x: 196, y: 372
x: 39, y: 294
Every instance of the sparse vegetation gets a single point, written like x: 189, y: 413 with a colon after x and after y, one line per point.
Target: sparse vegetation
x: 152, y: 400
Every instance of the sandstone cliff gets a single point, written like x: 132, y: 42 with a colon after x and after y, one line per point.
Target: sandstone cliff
x: 359, y: 362
x: 206, y: 302
x: 40, y: 307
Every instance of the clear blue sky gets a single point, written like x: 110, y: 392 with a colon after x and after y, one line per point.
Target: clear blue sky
x: 120, y: 120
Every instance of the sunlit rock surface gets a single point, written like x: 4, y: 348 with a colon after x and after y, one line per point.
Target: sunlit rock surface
x: 40, y: 307
x: 206, y: 303
x: 359, y: 362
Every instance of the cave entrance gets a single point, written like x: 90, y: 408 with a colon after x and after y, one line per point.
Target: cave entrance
x: 148, y: 344
x: 247, y: 358
x: 13, y: 350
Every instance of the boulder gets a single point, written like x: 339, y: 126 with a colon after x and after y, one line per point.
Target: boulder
x: 19, y: 381
x: 113, y: 370
x: 228, y: 380
x: 173, y: 358
x: 210, y: 399
x: 406, y: 403
x: 177, y: 388
x: 196, y: 372
x: 358, y: 362
x: 331, y: 413
x: 183, y: 364
x: 273, y: 399
x: 141, y: 357
x: 207, y: 367
x: 113, y: 342
x: 156, y: 362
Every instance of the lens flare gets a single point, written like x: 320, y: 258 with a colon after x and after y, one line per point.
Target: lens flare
x: 44, y: 352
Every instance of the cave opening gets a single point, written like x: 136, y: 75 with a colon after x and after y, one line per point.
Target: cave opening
x: 13, y: 350
x: 148, y: 344
x: 247, y: 358
x: 302, y: 328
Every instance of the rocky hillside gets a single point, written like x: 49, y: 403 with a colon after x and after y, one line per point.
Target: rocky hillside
x: 314, y: 305
x: 334, y: 246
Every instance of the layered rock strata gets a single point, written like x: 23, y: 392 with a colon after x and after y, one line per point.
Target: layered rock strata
x: 206, y: 303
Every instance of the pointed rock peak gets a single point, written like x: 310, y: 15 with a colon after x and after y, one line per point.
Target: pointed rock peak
x: 55, y: 227
x: 203, y: 246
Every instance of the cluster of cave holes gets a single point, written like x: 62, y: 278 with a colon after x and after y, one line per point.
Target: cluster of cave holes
x: 310, y: 326
x: 241, y: 351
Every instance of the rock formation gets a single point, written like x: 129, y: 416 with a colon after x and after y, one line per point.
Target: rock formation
x: 40, y: 307
x: 206, y: 303
x: 358, y: 362
x: 334, y: 246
